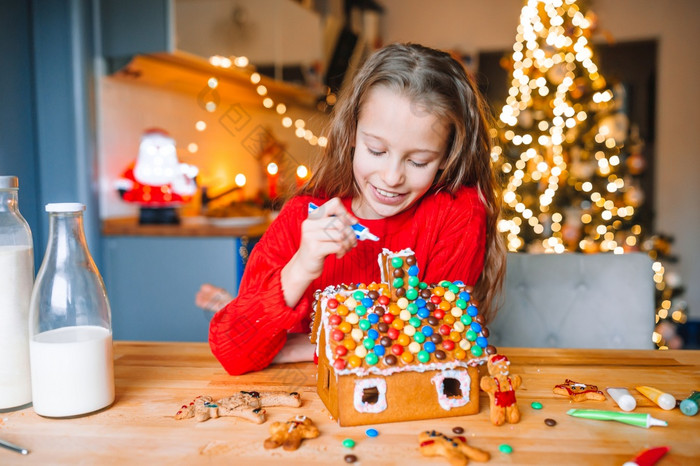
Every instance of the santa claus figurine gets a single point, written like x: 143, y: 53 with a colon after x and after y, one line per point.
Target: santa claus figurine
x: 157, y: 181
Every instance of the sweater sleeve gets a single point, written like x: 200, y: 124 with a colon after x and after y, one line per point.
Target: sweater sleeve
x: 247, y: 334
x: 459, y: 242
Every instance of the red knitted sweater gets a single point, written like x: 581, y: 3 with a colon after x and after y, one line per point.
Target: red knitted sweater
x: 446, y: 232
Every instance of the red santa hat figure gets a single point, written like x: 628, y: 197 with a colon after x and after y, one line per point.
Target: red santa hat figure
x: 157, y: 178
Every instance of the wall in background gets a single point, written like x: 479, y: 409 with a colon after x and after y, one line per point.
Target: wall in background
x: 471, y: 26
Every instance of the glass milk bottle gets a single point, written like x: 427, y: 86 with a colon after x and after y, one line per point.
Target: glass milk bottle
x: 16, y: 277
x: 70, y: 323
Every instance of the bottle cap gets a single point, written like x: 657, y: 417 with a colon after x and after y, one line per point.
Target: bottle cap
x: 65, y: 207
x: 666, y: 401
x: 627, y: 403
x: 9, y: 182
x: 689, y: 407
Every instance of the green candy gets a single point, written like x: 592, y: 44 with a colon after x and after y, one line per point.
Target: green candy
x: 368, y: 343
x: 361, y: 310
x: 536, y: 405
x: 454, y: 289
x: 471, y: 335
x: 505, y: 448
x: 462, y: 304
x: 422, y: 285
x: 465, y: 319
x: 348, y: 443
x: 445, y: 283
x: 423, y: 356
x: 477, y: 351
x: 413, y: 281
x: 412, y: 308
x: 419, y: 337
x: 398, y: 282
x: 358, y: 295
x: 396, y: 262
x: 415, y: 321
x: 411, y: 294
x: 371, y: 359
x: 364, y: 324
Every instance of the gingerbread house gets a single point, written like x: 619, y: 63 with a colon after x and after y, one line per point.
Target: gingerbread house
x: 398, y: 350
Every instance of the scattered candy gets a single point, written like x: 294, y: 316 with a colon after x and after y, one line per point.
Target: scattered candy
x: 536, y: 405
x: 457, y: 430
x: 350, y: 458
x: 550, y: 422
x: 348, y: 443
x: 371, y: 432
x: 505, y: 448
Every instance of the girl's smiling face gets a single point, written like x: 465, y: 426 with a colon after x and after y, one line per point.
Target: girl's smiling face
x: 399, y: 148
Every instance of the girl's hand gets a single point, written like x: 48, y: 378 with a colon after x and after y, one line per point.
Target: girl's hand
x: 327, y: 230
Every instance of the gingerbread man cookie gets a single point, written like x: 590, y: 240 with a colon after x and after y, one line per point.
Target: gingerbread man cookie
x: 579, y: 391
x: 501, y: 387
x: 245, y: 405
x: 291, y: 433
x: 454, y: 449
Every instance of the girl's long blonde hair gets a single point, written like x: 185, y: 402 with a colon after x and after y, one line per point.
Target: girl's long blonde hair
x: 434, y: 81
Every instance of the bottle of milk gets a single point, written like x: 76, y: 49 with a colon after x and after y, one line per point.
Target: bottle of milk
x: 70, y: 323
x: 16, y: 277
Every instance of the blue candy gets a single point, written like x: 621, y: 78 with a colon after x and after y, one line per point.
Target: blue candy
x: 482, y: 341
x: 413, y: 270
x: 373, y: 318
x: 464, y: 295
x: 429, y: 346
x: 379, y: 350
x: 427, y: 330
x: 367, y: 302
x: 373, y: 334
x: 472, y: 310
x: 423, y: 312
x: 371, y: 432
x: 476, y: 327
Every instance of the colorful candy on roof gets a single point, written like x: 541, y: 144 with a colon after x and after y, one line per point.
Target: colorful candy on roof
x: 401, y: 323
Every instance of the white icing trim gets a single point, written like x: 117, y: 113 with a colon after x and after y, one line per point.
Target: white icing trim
x: 363, y: 407
x: 446, y: 402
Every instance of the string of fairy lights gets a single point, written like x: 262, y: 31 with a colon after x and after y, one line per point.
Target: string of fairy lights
x: 540, y: 46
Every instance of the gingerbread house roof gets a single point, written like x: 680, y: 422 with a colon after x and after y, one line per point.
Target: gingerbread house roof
x: 400, y: 324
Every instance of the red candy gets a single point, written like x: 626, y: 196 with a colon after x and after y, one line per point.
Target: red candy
x: 341, y: 350
x: 332, y: 303
x: 388, y: 318
x: 337, y: 335
x: 397, y: 349
x: 449, y: 345
x: 435, y: 299
x: 335, y: 319
x: 393, y: 333
x: 439, y: 313
x: 383, y: 300
x: 444, y: 330
x: 339, y: 364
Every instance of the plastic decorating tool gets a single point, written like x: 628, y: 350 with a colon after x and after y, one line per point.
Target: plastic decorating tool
x: 689, y: 406
x: 361, y: 232
x: 622, y: 397
x: 663, y: 400
x: 634, y: 419
x: 648, y: 457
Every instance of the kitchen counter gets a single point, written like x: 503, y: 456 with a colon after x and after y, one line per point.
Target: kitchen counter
x: 153, y: 380
x: 189, y: 226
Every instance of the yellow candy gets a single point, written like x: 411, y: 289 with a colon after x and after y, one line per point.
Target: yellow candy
x: 458, y: 326
x: 448, y: 319
x: 409, y: 330
x: 455, y: 336
x: 345, y: 327
x: 342, y: 310
x: 352, y: 318
x: 349, y: 343
x: 402, y: 303
x: 438, y: 291
x: 354, y: 361
x: 403, y: 339
x: 460, y: 354
x: 398, y: 324
x: 465, y: 344
x: 457, y: 312
x: 413, y: 347
x: 407, y: 357
x: 450, y: 296
x: 394, y: 309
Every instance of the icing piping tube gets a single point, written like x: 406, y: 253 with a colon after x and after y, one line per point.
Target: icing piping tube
x: 689, y: 406
x: 663, y: 400
x: 622, y: 397
x: 633, y: 419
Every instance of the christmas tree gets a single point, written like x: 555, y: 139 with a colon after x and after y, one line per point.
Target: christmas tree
x: 566, y: 151
x: 569, y: 159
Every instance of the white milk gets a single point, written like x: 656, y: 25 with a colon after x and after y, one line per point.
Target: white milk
x: 72, y: 370
x: 16, y: 277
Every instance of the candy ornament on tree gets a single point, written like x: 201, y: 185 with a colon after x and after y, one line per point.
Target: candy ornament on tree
x: 157, y: 181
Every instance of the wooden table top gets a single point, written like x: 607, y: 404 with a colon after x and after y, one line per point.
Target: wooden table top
x: 154, y: 379
x: 188, y: 227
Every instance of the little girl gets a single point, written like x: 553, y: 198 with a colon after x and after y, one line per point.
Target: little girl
x: 408, y: 156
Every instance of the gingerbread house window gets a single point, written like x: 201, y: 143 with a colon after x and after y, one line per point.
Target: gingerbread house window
x: 370, y: 395
x: 452, y: 388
